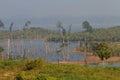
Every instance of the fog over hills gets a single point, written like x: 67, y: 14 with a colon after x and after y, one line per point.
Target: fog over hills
x: 50, y: 22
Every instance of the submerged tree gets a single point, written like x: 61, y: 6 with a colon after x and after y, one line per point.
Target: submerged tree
x: 11, y: 25
x: 1, y: 24
x: 26, y: 25
x: 88, y: 29
x: 1, y: 47
x: 63, y: 33
x: 59, y: 25
x: 103, y: 51
x: 1, y: 50
x: 25, y: 35
x: 69, y: 31
x: 10, y: 41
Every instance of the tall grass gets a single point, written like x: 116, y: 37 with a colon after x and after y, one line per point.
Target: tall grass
x: 38, y: 69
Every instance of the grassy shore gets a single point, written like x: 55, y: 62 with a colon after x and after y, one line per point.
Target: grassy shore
x: 38, y: 69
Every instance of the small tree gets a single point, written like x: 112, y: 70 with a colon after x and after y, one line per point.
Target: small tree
x: 86, y: 25
x: 103, y: 51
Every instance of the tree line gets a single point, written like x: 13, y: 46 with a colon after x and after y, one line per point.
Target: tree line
x: 89, y: 34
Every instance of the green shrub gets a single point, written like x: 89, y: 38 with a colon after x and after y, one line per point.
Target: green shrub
x: 31, y: 64
x: 40, y: 63
x: 18, y: 77
x: 9, y: 65
x: 32, y: 76
x: 38, y: 77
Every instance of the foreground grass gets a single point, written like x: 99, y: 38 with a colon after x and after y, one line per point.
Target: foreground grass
x: 40, y: 70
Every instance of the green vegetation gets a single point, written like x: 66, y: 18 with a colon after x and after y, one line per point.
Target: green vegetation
x: 1, y: 50
x: 109, y: 35
x: 28, y: 33
x: 91, y: 47
x: 115, y: 48
x: 103, y: 51
x: 39, y: 70
x: 97, y: 34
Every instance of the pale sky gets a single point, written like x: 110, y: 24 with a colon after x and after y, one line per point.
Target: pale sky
x: 47, y: 8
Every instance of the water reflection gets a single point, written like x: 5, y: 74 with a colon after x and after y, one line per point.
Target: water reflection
x: 37, y: 48
x: 106, y: 64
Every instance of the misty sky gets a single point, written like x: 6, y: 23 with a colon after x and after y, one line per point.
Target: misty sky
x: 46, y: 8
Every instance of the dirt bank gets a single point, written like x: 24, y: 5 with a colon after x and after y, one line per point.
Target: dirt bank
x: 92, y: 60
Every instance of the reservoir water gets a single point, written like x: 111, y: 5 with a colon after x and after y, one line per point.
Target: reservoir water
x: 46, y: 50
x: 37, y: 48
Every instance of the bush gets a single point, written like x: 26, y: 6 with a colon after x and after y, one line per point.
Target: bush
x: 18, y: 77
x: 33, y: 76
x: 31, y: 64
x: 40, y: 63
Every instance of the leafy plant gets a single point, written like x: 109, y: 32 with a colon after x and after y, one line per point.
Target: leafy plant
x: 103, y: 51
x: 31, y: 64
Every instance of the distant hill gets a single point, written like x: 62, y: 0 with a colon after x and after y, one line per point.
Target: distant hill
x: 112, y: 33
x: 50, y: 22
x: 99, y: 34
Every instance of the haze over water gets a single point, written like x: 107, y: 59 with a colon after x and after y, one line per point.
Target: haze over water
x: 50, y: 22
x: 45, y: 13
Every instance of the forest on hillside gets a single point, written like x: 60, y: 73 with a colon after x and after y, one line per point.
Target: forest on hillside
x: 98, y: 34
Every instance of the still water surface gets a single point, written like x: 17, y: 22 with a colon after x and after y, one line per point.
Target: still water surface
x: 37, y: 48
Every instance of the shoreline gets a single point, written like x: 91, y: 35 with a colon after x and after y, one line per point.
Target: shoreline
x: 92, y: 60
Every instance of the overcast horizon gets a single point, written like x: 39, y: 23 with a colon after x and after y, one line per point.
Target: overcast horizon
x: 45, y: 13
x: 58, y: 8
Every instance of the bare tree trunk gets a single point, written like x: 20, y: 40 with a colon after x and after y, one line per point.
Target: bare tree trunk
x: 58, y: 53
x: 63, y: 51
x: 12, y: 50
x: 103, y: 62
x: 68, y: 50
x: 36, y: 44
x: 30, y: 49
x: 85, y: 51
x: 23, y: 49
x: 46, y: 45
x: 8, y: 44
x: 17, y: 48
